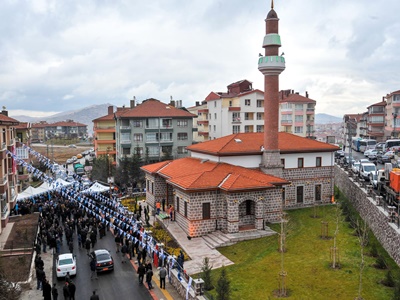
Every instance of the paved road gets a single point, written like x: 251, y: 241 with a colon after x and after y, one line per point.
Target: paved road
x: 122, y: 283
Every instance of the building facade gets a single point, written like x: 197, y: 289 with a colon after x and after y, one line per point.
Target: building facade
x: 154, y: 130
x: 375, y: 121
x: 8, y: 167
x: 392, y: 119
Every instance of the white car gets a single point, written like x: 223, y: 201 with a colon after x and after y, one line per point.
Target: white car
x: 356, y: 167
x: 64, y: 264
x: 368, y: 151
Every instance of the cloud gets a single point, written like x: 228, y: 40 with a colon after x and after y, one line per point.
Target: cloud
x: 90, y: 52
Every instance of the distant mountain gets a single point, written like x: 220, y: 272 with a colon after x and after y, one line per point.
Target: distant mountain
x: 84, y: 116
x: 326, y: 119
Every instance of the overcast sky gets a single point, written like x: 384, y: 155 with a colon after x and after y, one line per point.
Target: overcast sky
x: 65, y: 55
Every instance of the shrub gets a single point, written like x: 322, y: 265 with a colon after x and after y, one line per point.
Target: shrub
x: 206, y: 274
x: 380, y: 262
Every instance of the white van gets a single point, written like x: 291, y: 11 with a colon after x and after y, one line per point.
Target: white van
x: 367, y: 170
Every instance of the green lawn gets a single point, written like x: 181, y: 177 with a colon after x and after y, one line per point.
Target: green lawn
x: 307, y: 263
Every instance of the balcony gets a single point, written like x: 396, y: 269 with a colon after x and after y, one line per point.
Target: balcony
x: 125, y: 141
x: 236, y: 120
x: 101, y: 141
x: 203, y: 133
x: 3, y: 180
x: 310, y: 111
x: 286, y: 122
x: 124, y: 127
x: 202, y: 122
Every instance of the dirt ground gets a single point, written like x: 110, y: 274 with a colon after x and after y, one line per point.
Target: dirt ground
x: 16, y: 263
x: 60, y: 153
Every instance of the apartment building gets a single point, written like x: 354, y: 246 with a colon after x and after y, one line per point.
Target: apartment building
x: 154, y: 130
x: 64, y: 129
x: 23, y: 132
x: 241, y: 110
x: 8, y: 167
x: 375, y: 121
x: 392, y: 119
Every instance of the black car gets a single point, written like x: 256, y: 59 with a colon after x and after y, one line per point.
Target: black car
x: 104, y: 260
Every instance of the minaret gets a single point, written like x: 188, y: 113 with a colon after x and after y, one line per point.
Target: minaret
x: 271, y: 65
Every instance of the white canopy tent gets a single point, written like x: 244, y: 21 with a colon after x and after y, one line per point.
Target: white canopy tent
x: 30, y: 191
x: 97, y: 188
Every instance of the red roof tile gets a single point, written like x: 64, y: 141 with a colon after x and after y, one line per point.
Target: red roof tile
x: 66, y: 124
x: 382, y: 103
x: 155, y: 108
x: 194, y: 174
x: 250, y: 144
x: 111, y: 116
x: 296, y: 98
x: 6, y: 119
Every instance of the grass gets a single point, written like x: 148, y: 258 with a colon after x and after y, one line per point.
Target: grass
x: 306, y: 261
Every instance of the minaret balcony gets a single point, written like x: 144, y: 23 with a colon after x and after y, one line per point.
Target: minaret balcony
x: 271, y: 65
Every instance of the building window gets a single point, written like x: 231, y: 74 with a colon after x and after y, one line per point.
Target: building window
x: 300, y: 162
x: 298, y: 118
x: 206, y: 210
x: 215, y: 128
x: 260, y: 128
x: 298, y: 107
x: 182, y: 136
x: 215, y: 103
x: 298, y: 129
x: 185, y: 208
x: 283, y: 162
x: 249, y: 206
x: 177, y: 204
x: 248, y: 128
x: 166, y: 123
x: 235, y: 117
x: 126, y: 151
x: 260, y: 103
x: 318, y: 192
x: 283, y: 194
x: 300, y: 194
x: 215, y: 116
x: 247, y: 102
x: 182, y: 123
x: 138, y: 150
x: 260, y: 116
x: 138, y: 137
x: 230, y: 103
x: 152, y: 187
x: 248, y: 116
x: 318, y: 161
x: 182, y: 150
x: 235, y: 128
x: 209, y: 116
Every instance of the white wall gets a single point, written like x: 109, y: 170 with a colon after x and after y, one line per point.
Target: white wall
x: 309, y: 159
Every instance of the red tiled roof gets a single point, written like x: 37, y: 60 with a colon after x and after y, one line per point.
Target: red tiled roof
x: 250, y: 144
x: 212, y: 96
x: 5, y: 119
x: 296, y: 98
x: 22, y: 125
x: 382, y: 103
x: 39, y: 125
x: 66, y: 124
x: 250, y: 92
x: 111, y: 116
x: 155, y: 108
x: 194, y: 174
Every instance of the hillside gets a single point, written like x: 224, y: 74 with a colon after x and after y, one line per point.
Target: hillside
x: 326, y: 119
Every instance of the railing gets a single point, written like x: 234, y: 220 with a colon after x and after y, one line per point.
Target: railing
x: 286, y: 121
x: 125, y: 141
x: 310, y: 109
x: 11, y: 142
x: 3, y: 146
x: 124, y: 127
x: 3, y: 180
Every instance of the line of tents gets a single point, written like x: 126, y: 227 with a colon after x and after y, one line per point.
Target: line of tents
x: 46, y: 187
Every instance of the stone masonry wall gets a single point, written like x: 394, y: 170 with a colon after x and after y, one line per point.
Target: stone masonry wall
x: 375, y: 216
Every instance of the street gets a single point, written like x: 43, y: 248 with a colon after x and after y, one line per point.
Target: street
x: 122, y: 283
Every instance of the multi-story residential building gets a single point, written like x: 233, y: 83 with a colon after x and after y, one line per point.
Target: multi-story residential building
x: 23, y: 137
x: 38, y: 132
x: 65, y: 129
x: 104, y: 133
x: 200, y: 124
x: 375, y: 121
x: 351, y: 127
x: 8, y: 167
x: 392, y: 121
x: 154, y: 130
x: 363, y: 125
x: 241, y: 109
x: 297, y: 113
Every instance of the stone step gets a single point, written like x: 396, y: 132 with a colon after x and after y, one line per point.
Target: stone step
x: 209, y: 242
x: 219, y: 235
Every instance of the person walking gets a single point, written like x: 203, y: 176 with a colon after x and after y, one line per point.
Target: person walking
x: 171, y: 212
x: 46, y: 290
x: 117, y: 242
x: 54, y: 291
x: 149, y: 277
x: 87, y: 246
x: 163, y: 204
x: 124, y: 251
x: 163, y: 274
x: 66, y: 291
x: 94, y: 296
x: 93, y: 269
x: 72, y: 290
x: 141, y: 271
x: 158, y: 207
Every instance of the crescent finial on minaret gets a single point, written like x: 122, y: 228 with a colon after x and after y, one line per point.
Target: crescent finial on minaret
x: 272, y: 4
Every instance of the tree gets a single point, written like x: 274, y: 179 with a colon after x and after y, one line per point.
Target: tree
x: 136, y: 175
x: 362, y: 232
x: 223, y: 286
x: 206, y: 274
x: 101, y: 168
x: 122, y: 177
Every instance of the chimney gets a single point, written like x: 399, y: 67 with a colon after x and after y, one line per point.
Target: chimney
x: 110, y: 109
x: 306, y: 94
x: 172, y: 103
x: 4, y: 112
x: 197, y: 103
x: 133, y: 102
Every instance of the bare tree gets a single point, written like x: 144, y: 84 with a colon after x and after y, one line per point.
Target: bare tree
x: 335, y: 249
x: 363, y: 238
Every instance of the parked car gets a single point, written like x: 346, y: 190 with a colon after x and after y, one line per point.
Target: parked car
x: 339, y: 153
x: 72, y: 146
x: 383, y: 158
x: 64, y: 264
x: 104, y: 260
x: 366, y: 169
x: 368, y: 151
x: 364, y: 160
x: 390, y: 154
x: 372, y: 154
x: 356, y: 167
